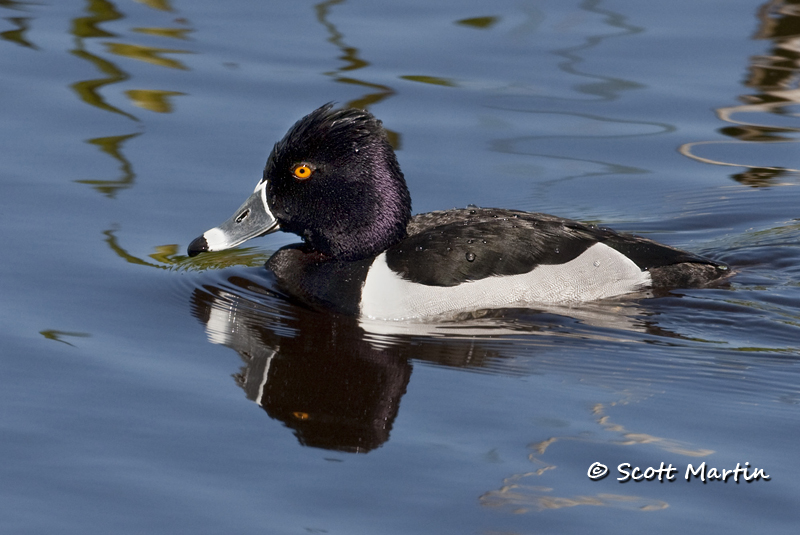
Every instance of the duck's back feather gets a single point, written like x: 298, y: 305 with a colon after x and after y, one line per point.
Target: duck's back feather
x: 447, y: 248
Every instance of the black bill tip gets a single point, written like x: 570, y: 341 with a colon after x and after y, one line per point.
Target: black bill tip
x: 199, y: 245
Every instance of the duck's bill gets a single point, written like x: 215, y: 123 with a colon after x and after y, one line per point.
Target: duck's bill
x: 251, y: 220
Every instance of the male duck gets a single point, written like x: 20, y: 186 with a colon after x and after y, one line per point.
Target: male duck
x: 334, y: 181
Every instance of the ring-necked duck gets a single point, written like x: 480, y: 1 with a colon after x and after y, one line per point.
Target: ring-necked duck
x: 334, y: 181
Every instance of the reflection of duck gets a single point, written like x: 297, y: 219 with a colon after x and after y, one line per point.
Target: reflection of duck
x: 334, y: 180
x: 336, y: 386
x: 334, y: 389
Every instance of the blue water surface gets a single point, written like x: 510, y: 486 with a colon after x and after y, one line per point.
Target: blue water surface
x: 145, y: 392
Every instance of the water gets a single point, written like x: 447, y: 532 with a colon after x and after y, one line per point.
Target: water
x: 146, y: 392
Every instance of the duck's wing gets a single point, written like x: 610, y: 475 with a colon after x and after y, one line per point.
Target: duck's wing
x: 455, y: 246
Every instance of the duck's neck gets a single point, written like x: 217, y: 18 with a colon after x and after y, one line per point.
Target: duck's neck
x: 369, y: 231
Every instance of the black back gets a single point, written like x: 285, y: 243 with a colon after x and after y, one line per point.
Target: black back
x: 455, y: 246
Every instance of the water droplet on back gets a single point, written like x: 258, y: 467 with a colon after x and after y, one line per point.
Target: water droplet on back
x: 470, y: 257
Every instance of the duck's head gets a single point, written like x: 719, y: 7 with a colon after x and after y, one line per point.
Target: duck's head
x: 334, y: 181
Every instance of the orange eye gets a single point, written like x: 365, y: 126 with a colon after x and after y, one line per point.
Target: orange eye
x: 302, y: 171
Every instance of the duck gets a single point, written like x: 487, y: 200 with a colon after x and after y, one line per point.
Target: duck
x: 334, y: 180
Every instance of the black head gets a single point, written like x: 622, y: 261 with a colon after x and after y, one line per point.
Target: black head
x: 334, y: 180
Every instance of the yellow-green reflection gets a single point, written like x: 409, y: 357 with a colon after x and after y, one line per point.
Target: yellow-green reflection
x: 52, y: 334
x: 481, y: 23
x: 100, y: 11
x: 148, y: 54
x: 433, y: 80
x: 162, y: 5
x: 89, y: 90
x: 776, y: 78
x: 112, y: 145
x: 88, y: 27
x: 152, y: 99
x: 18, y: 36
x: 172, y: 33
x: 169, y: 256
x: 353, y: 61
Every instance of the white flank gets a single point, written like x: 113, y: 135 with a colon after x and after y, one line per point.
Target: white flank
x: 600, y: 272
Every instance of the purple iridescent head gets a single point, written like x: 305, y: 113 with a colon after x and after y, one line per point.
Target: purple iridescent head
x: 332, y: 180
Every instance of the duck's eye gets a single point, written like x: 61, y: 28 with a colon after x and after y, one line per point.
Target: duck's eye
x: 302, y: 171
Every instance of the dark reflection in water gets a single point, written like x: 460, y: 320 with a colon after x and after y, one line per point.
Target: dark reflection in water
x: 760, y: 176
x: 320, y: 374
x: 775, y: 74
x: 776, y: 78
x: 334, y: 389
x: 337, y: 381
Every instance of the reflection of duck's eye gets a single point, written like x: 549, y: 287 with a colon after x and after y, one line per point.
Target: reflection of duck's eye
x: 302, y: 171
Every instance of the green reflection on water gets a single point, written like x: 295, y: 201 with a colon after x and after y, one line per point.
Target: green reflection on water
x: 172, y: 33
x: 162, y: 5
x: 481, y: 23
x: 85, y: 28
x: 100, y: 11
x: 112, y: 145
x: 52, y: 334
x: 148, y: 54
x: 353, y: 62
x: 168, y: 257
x: 88, y: 90
x: 152, y: 99
x: 18, y: 36
x: 433, y: 80
x: 88, y: 27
